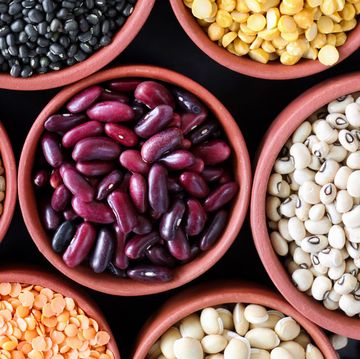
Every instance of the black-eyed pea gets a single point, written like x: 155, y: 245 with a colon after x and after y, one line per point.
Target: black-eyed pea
x: 279, y: 244
x: 352, y: 112
x: 272, y: 208
x: 338, y: 341
x: 237, y: 348
x: 314, y: 244
x: 322, y: 128
x: 327, y: 172
x: 284, y: 190
x: 349, y: 305
x: 302, y: 210
x: 317, y: 211
x: 321, y: 287
x: 272, y: 225
x: 300, y: 155
x: 353, y: 249
x: 357, y: 262
x: 339, y: 105
x: 342, y: 176
x: 352, y: 234
x: 296, y: 228
x: 283, y: 227
x: 291, y: 266
x: 335, y: 273
x: 351, y: 219
x: 168, y: 340
x: 330, y: 304
x: 334, y: 216
x: 348, y: 140
x: 337, y: 153
x: 211, y: 322
x: 320, y: 149
x: 259, y: 354
x: 288, y: 206
x: 318, y: 270
x: 303, y: 279
x: 353, y: 183
x: 312, y: 352
x: 310, y: 192
x: 337, y: 120
x: 344, y: 202
x: 2, y: 184
x: 256, y: 314
x: 302, y: 258
x: 330, y: 257
x: 274, y: 184
x: 185, y: 348
x: 351, y: 267
x: 262, y: 338
x: 322, y: 226
x: 353, y: 160
x: 303, y: 175
x: 191, y: 327
x: 316, y: 163
x: 328, y: 193
x: 240, y: 323
x: 213, y: 343
x: 226, y: 317
x: 302, y: 132
x: 345, y: 284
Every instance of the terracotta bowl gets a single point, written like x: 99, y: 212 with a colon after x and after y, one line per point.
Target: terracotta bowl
x: 185, y: 273
x: 274, y: 70
x: 8, y: 159
x: 279, y: 132
x: 213, y: 294
x: 94, y: 63
x: 44, y: 279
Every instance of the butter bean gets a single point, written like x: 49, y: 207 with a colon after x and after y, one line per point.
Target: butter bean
x: 280, y: 353
x: 262, y: 338
x: 256, y: 314
x: 211, y: 321
x: 168, y: 340
x: 238, y: 348
x: 287, y: 329
x: 190, y: 327
x: 240, y: 322
x: 186, y: 348
x: 213, y: 343
x: 259, y: 354
x: 295, y: 349
x: 226, y: 317
x: 312, y: 352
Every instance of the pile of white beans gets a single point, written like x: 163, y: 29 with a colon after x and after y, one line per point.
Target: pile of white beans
x: 313, y: 205
x: 245, y: 332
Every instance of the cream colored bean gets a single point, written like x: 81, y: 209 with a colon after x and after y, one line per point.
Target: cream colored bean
x: 321, y: 287
x: 320, y: 149
x: 256, y: 314
x: 353, y: 234
x: 346, y: 284
x: 279, y: 244
x: 296, y: 229
x: 287, y: 207
x: 188, y: 348
x: 352, y: 112
x: 353, y: 161
x: 327, y: 172
x: 191, y: 327
x: 353, y: 249
x: 284, y: 190
x: 338, y: 341
x: 262, y: 338
x: 228, y: 335
x: 336, y: 153
x: 328, y: 193
x: 302, y: 210
x: 259, y: 354
x: 351, y: 219
x: 351, y: 267
x: 336, y: 237
x: 284, y: 165
x: 337, y: 120
x: 348, y: 140
x: 303, y: 339
x: 330, y: 257
x: 316, y: 163
x: 226, y: 317
x: 344, y: 202
x: 283, y: 226
x: 349, y: 305
x: 310, y: 192
x: 321, y: 226
x: 297, y: 351
x: 353, y: 184
x: 287, y: 329
x: 342, y: 176
x: 339, y: 105
x: 302, y: 132
x: 274, y: 184
x: 312, y: 352
x: 281, y: 353
x: 213, y: 343
x: 274, y: 317
x: 300, y: 155
x: 335, y: 273
x: 325, y: 132
x: 167, y: 342
x: 272, y: 208
x: 330, y: 304
x: 304, y: 175
x: 238, y: 348
x: 240, y: 323
x: 211, y: 321
x: 302, y: 258
x: 303, y: 279
x: 314, y: 244
x: 334, y: 216
x: 317, y: 212
x: 294, y: 186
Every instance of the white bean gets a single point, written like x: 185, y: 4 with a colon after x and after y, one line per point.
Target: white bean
x: 167, y: 341
x: 317, y: 212
x: 342, y: 176
x: 321, y: 287
x: 186, y: 348
x: 302, y: 279
x: 262, y: 338
x: 312, y: 352
x: 344, y: 201
x: 351, y: 219
x: 321, y: 226
x: 327, y: 172
x: 191, y: 327
x: 314, y: 244
x: 310, y: 192
x: 337, y: 120
x: 300, y: 155
x: 346, y: 284
x: 238, y: 348
x: 353, y: 160
x: 349, y: 305
x: 348, y: 140
x: 213, y: 343
x: 336, y: 237
x: 241, y: 324
x: 287, y: 329
x: 272, y: 208
x: 304, y: 175
x: 335, y: 273
x: 339, y: 105
x: 352, y: 112
x: 302, y: 132
x: 211, y: 321
x: 280, y: 353
x: 328, y: 193
x: 353, y: 184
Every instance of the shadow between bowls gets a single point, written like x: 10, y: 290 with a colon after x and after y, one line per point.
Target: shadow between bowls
x: 273, y: 70
x: 104, y: 282
x: 9, y: 164
x: 217, y: 293
x: 279, y: 132
x: 95, y: 62
x: 35, y: 276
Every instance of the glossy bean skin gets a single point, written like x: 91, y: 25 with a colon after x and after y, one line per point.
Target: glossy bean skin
x: 213, y: 231
x: 51, y: 149
x: 70, y: 215
x: 179, y: 247
x: 220, y: 196
x: 156, y: 146
x: 55, y: 178
x: 138, y: 192
x: 123, y: 209
x: 132, y: 161
x: 175, y: 121
x: 137, y: 245
x: 121, y: 261
x: 171, y: 220
x: 158, y: 192
x: 159, y: 255
x: 225, y: 178
x: 196, y: 217
x: 76, y: 183
x: 124, y: 85
x: 96, y: 212
x: 40, y: 178
x: 204, y: 132
x: 194, y: 184
x: 111, y: 111
x: 103, y: 251
x: 63, y: 236
x: 186, y: 144
x: 121, y: 134
x: 119, y: 273
x: 212, y: 152
x: 197, y: 167
x: 61, y: 123
x: 178, y: 160
x: 173, y: 185
x: 50, y: 218
x: 84, y: 99
x: 139, y: 110
x: 87, y: 129
x: 189, y: 121
x: 150, y: 273
x: 154, y: 121
x: 108, y: 184
x: 94, y: 168
x: 96, y: 148
x: 60, y: 198
x: 81, y: 245
x: 187, y: 101
x: 211, y: 174
x: 144, y: 226
x: 153, y: 94
x: 124, y: 185
x: 109, y: 95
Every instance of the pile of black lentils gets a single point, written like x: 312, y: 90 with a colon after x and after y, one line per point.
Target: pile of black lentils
x: 37, y: 36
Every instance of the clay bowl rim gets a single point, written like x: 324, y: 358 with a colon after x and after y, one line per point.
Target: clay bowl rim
x: 184, y: 273
x: 36, y: 276
x: 279, y: 132
x: 216, y: 293
x: 244, y: 65
x: 9, y: 164
x: 95, y: 62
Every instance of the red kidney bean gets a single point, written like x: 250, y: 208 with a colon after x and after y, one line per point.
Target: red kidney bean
x: 153, y: 94
x: 158, y: 192
x: 194, y: 252
x: 96, y: 212
x: 55, y: 178
x: 197, y: 167
x: 108, y: 184
x: 81, y: 245
x: 189, y: 121
x: 214, y: 230
x: 175, y: 121
x: 60, y: 198
x: 150, y: 273
x: 154, y: 121
x: 132, y: 161
x: 204, y: 132
x: 94, y: 168
x: 179, y: 247
x: 225, y: 178
x: 120, y: 259
x: 158, y: 255
x: 124, y: 85
x: 121, y: 134
x: 70, y: 215
x: 143, y: 226
x: 84, y: 99
x: 188, y: 101
x: 212, y: 152
x: 109, y: 95
x: 63, y: 122
x: 119, y: 273
x: 50, y: 218
x: 76, y: 183
x: 96, y: 148
x: 63, y: 236
x: 186, y: 144
x: 111, y: 111
x: 138, y: 244
x: 157, y: 145
x: 41, y: 178
x: 211, y: 174
x: 125, y: 183
x: 196, y: 217
x: 173, y: 185
x: 220, y: 196
x: 194, y: 184
x: 87, y: 129
x: 51, y: 149
x: 171, y: 220
x: 178, y: 160
x: 138, y: 192
x: 123, y: 210
x: 155, y: 215
x: 103, y: 251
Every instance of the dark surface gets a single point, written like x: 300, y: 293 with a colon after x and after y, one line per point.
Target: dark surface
x: 254, y: 104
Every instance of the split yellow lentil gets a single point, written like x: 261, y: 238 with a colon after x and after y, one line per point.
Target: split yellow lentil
x: 284, y: 30
x: 37, y: 323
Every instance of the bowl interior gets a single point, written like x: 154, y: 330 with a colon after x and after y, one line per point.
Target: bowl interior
x: 279, y: 132
x: 183, y: 274
x: 94, y: 63
x: 273, y: 70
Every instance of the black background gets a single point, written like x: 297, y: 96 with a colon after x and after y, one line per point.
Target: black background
x: 254, y: 104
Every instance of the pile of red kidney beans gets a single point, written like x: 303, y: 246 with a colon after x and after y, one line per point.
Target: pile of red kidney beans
x: 134, y: 179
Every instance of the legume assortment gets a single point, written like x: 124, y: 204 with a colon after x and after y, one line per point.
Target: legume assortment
x: 242, y: 331
x: 40, y: 36
x: 313, y: 205
x: 38, y: 323
x: 288, y: 30
x: 134, y: 179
